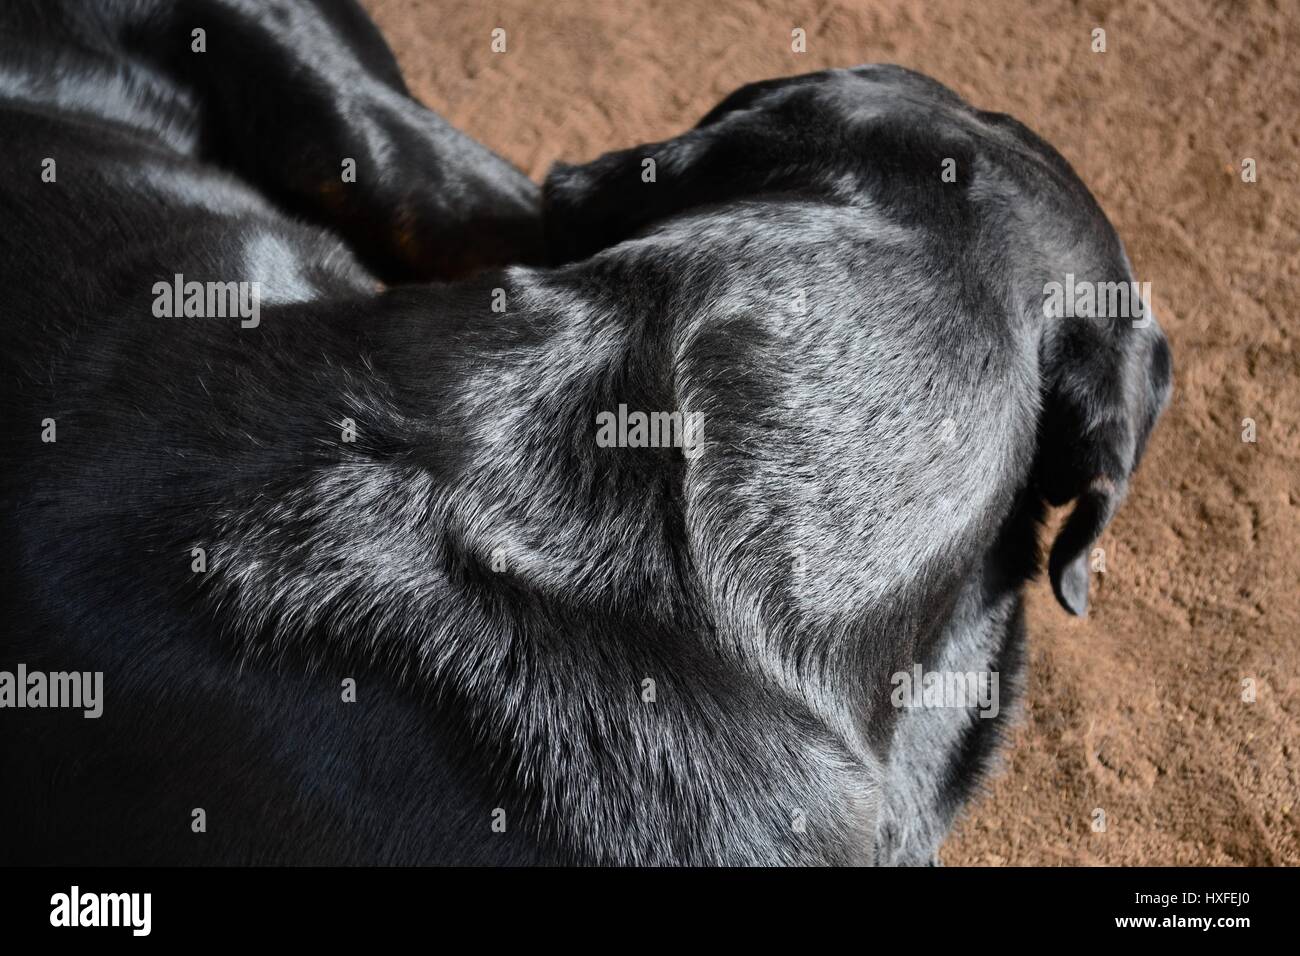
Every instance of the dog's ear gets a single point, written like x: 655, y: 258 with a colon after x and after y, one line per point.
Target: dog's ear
x: 1107, y: 380
x: 762, y: 137
x: 587, y: 208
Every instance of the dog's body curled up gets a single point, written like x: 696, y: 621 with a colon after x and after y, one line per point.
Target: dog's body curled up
x: 362, y: 582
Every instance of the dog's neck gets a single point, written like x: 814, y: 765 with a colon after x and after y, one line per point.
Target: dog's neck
x: 478, y: 538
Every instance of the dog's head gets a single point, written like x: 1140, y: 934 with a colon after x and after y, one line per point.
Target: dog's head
x: 982, y: 185
x: 831, y: 133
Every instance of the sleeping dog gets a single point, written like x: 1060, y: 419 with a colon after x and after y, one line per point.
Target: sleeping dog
x: 617, y: 560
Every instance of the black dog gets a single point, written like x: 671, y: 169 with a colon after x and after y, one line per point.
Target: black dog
x: 564, y: 649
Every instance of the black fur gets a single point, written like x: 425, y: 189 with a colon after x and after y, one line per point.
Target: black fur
x: 499, y: 586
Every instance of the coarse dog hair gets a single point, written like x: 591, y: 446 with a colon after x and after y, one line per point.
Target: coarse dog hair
x: 561, y: 649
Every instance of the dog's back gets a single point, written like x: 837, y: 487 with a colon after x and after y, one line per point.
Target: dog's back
x: 157, y: 423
